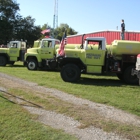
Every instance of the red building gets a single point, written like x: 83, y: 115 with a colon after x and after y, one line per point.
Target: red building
x: 109, y: 35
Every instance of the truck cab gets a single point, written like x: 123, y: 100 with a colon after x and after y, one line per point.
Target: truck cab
x: 89, y: 59
x: 36, y: 57
x: 14, y: 52
x: 44, y: 53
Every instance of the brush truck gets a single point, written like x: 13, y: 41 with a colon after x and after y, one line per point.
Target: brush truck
x: 118, y: 58
x: 14, y: 51
x: 43, y: 54
x: 136, y: 71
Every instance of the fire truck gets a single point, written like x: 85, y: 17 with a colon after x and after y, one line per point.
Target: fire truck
x: 119, y: 58
x: 14, y: 51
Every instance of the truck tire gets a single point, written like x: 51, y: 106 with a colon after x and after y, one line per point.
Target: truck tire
x: 3, y: 61
x: 70, y: 73
x: 128, y: 78
x: 32, y: 64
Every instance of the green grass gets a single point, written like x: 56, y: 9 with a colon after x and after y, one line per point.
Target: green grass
x: 18, y: 124
x: 101, y: 89
x: 83, y: 114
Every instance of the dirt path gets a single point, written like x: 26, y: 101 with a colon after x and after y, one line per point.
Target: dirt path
x: 68, y: 124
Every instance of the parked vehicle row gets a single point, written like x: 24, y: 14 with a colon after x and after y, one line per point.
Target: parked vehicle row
x: 91, y: 57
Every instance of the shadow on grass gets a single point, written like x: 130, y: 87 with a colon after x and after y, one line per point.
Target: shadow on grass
x: 15, y: 65
x: 48, y: 70
x: 100, y: 82
x: 103, y: 82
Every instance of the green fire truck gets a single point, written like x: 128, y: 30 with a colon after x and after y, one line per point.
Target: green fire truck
x: 118, y: 58
x: 14, y: 51
x: 43, y: 54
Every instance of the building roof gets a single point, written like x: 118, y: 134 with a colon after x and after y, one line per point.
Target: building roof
x: 103, y: 31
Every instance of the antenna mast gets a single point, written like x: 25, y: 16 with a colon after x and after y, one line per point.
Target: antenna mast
x: 55, y: 16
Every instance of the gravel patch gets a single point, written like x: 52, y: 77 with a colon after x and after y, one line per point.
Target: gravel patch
x: 70, y: 126
x: 108, y: 112
x: 67, y: 124
x: 3, y: 89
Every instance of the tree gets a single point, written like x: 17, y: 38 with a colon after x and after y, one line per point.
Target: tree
x: 26, y: 30
x: 15, y: 27
x: 58, y: 32
x: 8, y: 9
x: 8, y: 12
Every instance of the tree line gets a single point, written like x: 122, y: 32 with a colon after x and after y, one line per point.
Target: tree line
x: 13, y: 26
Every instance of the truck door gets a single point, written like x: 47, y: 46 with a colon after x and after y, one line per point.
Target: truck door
x: 13, y: 52
x: 47, y: 50
x: 95, y: 59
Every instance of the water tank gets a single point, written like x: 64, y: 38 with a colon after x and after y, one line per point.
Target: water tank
x: 120, y: 47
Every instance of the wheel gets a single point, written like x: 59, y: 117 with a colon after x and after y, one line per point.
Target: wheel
x: 70, y: 73
x: 3, y: 61
x: 120, y: 76
x: 128, y: 78
x: 32, y: 64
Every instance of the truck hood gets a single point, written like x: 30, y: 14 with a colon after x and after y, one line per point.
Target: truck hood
x: 74, y: 52
x: 69, y: 46
x: 4, y: 50
x: 32, y: 50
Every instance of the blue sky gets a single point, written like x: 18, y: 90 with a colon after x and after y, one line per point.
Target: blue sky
x: 85, y: 16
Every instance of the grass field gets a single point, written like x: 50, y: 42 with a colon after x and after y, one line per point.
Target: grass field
x: 18, y: 124
x: 101, y: 89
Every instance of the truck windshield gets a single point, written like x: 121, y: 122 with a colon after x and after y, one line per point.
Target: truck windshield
x: 13, y: 45
x: 94, y: 43
x: 44, y: 44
